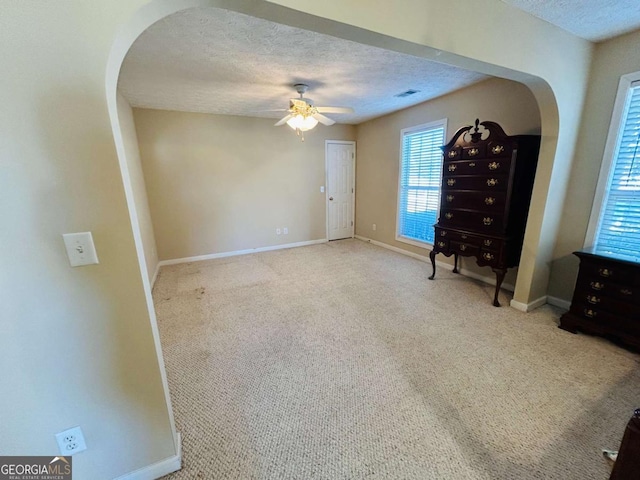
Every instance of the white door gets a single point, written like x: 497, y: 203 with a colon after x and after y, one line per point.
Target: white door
x: 341, y: 161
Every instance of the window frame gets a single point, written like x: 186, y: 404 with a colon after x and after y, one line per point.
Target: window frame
x: 612, y: 145
x: 442, y: 123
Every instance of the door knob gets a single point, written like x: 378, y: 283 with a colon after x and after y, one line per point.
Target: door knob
x: 330, y: 198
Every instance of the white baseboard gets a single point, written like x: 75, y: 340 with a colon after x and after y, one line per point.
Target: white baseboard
x: 211, y: 256
x: 558, y: 302
x: 158, y: 469
x: 527, y: 307
x: 425, y: 258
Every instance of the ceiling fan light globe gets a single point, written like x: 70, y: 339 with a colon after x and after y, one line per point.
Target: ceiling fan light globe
x: 299, y: 122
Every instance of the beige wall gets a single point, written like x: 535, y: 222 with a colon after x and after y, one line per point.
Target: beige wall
x: 508, y: 103
x: 142, y: 211
x: 223, y: 183
x: 612, y: 59
x: 76, y: 345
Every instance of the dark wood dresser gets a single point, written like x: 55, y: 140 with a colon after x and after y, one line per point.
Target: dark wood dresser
x: 486, y: 189
x: 606, y: 300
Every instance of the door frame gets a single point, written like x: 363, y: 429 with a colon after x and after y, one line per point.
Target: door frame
x: 326, y: 184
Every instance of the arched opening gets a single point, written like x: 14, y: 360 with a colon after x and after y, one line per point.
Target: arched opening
x: 533, y: 271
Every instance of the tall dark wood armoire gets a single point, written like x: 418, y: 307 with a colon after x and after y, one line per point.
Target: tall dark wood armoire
x: 487, y: 180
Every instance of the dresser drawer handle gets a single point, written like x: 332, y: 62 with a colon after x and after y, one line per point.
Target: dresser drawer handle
x: 590, y: 313
x: 592, y: 299
x: 487, y: 256
x: 472, y: 164
x: 463, y: 247
x: 487, y: 221
x: 443, y: 233
x: 463, y: 236
x: 473, y: 152
x: 489, y: 201
x: 448, y: 215
x: 487, y: 243
x: 452, y: 154
x: 494, y: 166
x: 492, y: 182
x: 451, y: 182
x: 597, y: 285
x: 441, y: 244
x: 450, y: 198
x: 497, y: 149
x: 605, y: 272
x: 452, y: 168
x: 626, y: 291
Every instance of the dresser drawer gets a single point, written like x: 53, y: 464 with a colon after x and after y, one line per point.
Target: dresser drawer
x: 454, y: 153
x: 478, y: 167
x: 473, y: 151
x: 600, y: 286
x: 464, y: 248
x: 488, y: 202
x: 610, y: 322
x: 479, y: 222
x: 603, y: 271
x: 605, y: 302
x: 487, y: 183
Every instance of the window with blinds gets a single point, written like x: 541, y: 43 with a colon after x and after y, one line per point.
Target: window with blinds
x: 618, y: 229
x: 419, y: 183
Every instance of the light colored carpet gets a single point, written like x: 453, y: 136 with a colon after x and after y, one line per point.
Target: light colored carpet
x: 342, y: 361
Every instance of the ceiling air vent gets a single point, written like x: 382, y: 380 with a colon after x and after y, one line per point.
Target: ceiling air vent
x: 407, y: 93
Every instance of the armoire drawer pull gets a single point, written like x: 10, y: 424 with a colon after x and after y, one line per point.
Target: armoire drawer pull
x: 487, y: 243
x: 448, y: 215
x: 494, y: 166
x: 590, y: 313
x: 487, y: 256
x: 626, y: 291
x: 452, y: 154
x: 451, y: 182
x: 492, y: 182
x: 487, y: 221
x: 443, y: 233
x: 497, y: 149
x: 452, y: 168
x: 441, y: 244
x: 463, y: 247
x: 473, y: 152
x: 450, y: 198
x: 597, y: 285
x: 605, y: 272
x: 592, y: 299
x: 489, y: 200
x: 472, y: 164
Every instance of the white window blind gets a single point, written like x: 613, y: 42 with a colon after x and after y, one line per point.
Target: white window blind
x: 419, y: 186
x: 618, y: 230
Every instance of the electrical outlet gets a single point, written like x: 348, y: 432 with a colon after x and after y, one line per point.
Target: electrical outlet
x: 285, y: 230
x: 71, y: 441
x: 374, y: 227
x: 278, y: 231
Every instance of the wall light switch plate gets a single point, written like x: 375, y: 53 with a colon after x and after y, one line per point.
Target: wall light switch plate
x: 80, y: 249
x: 322, y: 189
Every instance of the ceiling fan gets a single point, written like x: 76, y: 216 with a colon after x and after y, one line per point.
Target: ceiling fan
x: 303, y: 115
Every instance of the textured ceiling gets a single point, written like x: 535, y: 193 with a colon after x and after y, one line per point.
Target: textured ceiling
x: 593, y: 20
x: 215, y: 61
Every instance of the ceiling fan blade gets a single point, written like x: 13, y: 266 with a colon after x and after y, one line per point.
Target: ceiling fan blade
x: 283, y: 121
x: 335, y: 109
x: 323, y: 120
